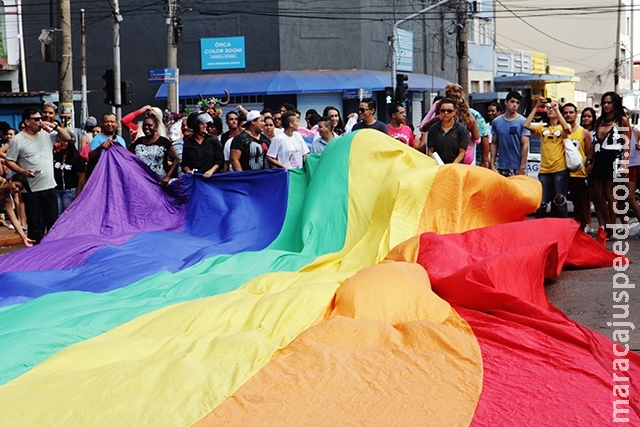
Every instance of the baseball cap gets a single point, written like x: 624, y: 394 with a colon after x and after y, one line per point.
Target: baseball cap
x: 91, y: 122
x: 253, y: 114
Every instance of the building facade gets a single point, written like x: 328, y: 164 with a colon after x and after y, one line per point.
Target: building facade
x: 278, y: 36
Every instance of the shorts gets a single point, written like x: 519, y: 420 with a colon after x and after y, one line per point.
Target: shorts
x: 603, y: 165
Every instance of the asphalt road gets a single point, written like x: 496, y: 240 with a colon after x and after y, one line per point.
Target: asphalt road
x: 585, y: 296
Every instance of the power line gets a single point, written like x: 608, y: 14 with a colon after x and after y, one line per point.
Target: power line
x: 547, y: 35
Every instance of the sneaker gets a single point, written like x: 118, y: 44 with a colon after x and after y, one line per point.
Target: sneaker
x: 11, y: 227
x: 590, y: 230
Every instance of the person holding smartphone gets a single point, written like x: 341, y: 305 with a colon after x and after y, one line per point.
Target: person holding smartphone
x: 31, y: 151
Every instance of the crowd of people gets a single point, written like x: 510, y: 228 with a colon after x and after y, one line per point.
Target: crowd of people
x: 45, y: 167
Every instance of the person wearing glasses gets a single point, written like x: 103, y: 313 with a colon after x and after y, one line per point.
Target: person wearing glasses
x: 510, y: 140
x: 448, y: 137
x: 554, y: 175
x: 367, y: 119
x: 31, y: 154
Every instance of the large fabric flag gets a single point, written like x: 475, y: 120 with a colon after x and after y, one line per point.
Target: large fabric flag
x: 371, y: 288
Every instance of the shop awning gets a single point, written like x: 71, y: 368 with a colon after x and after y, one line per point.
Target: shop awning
x: 292, y: 82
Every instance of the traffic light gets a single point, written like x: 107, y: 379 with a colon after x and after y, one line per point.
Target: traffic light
x: 108, y: 87
x: 388, y: 94
x: 401, y: 87
x: 126, y: 92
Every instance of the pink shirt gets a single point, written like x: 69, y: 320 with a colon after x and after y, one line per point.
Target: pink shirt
x: 403, y: 134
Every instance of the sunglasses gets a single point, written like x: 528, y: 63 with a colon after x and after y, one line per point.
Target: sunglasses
x: 37, y: 119
x: 442, y: 110
x: 362, y: 110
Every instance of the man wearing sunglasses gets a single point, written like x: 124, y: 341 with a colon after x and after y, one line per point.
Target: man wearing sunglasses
x: 448, y: 138
x: 367, y: 119
x: 31, y: 154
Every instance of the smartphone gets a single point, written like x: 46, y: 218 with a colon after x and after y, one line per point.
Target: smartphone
x: 37, y: 172
x: 548, y: 100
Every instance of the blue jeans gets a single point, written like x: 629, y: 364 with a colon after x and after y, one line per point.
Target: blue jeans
x: 554, y: 187
x: 65, y: 197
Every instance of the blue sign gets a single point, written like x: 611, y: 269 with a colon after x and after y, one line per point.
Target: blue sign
x: 162, y: 75
x: 404, y: 56
x: 222, y: 53
x: 357, y: 93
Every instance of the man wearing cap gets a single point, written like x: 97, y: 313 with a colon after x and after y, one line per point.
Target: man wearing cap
x: 249, y: 148
x: 87, y: 136
x: 201, y: 152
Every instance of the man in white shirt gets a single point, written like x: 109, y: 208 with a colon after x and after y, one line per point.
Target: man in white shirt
x: 288, y: 150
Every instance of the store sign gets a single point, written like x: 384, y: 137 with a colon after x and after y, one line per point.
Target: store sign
x: 222, y: 53
x: 162, y: 75
x: 404, y: 56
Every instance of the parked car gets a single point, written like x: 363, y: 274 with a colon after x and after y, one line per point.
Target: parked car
x: 533, y: 158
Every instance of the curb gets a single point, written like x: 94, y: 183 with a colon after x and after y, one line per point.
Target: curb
x: 10, y: 240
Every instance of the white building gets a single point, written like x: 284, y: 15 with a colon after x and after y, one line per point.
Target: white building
x: 579, y: 34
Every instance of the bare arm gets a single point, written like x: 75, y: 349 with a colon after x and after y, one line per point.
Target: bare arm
x: 234, y: 159
x: 173, y: 158
x: 532, y: 114
x: 274, y: 162
x: 17, y: 169
x: 494, y: 150
x: 524, y: 144
x: 460, y: 158
x: 8, y: 207
x: 484, y: 147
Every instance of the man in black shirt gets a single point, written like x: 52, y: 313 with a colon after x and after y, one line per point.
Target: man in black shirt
x: 367, y: 118
x: 201, y: 152
x: 249, y: 148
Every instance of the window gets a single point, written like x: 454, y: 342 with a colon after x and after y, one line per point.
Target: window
x: 475, y: 86
x: 471, y: 30
x: 487, y: 86
x: 485, y: 30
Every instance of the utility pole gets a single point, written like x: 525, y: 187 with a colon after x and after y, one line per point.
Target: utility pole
x: 117, y: 92
x: 463, y: 54
x: 23, y: 65
x: 616, y: 65
x: 84, y: 111
x: 173, y: 102
x: 65, y: 67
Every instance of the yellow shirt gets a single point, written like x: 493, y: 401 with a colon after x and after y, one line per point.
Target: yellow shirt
x: 578, y: 135
x: 551, y: 148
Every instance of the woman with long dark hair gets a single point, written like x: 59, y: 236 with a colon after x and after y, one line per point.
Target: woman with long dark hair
x: 610, y: 146
x: 588, y: 119
x: 69, y: 172
x: 333, y: 113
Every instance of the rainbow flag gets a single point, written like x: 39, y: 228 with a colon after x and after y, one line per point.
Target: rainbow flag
x: 371, y: 288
